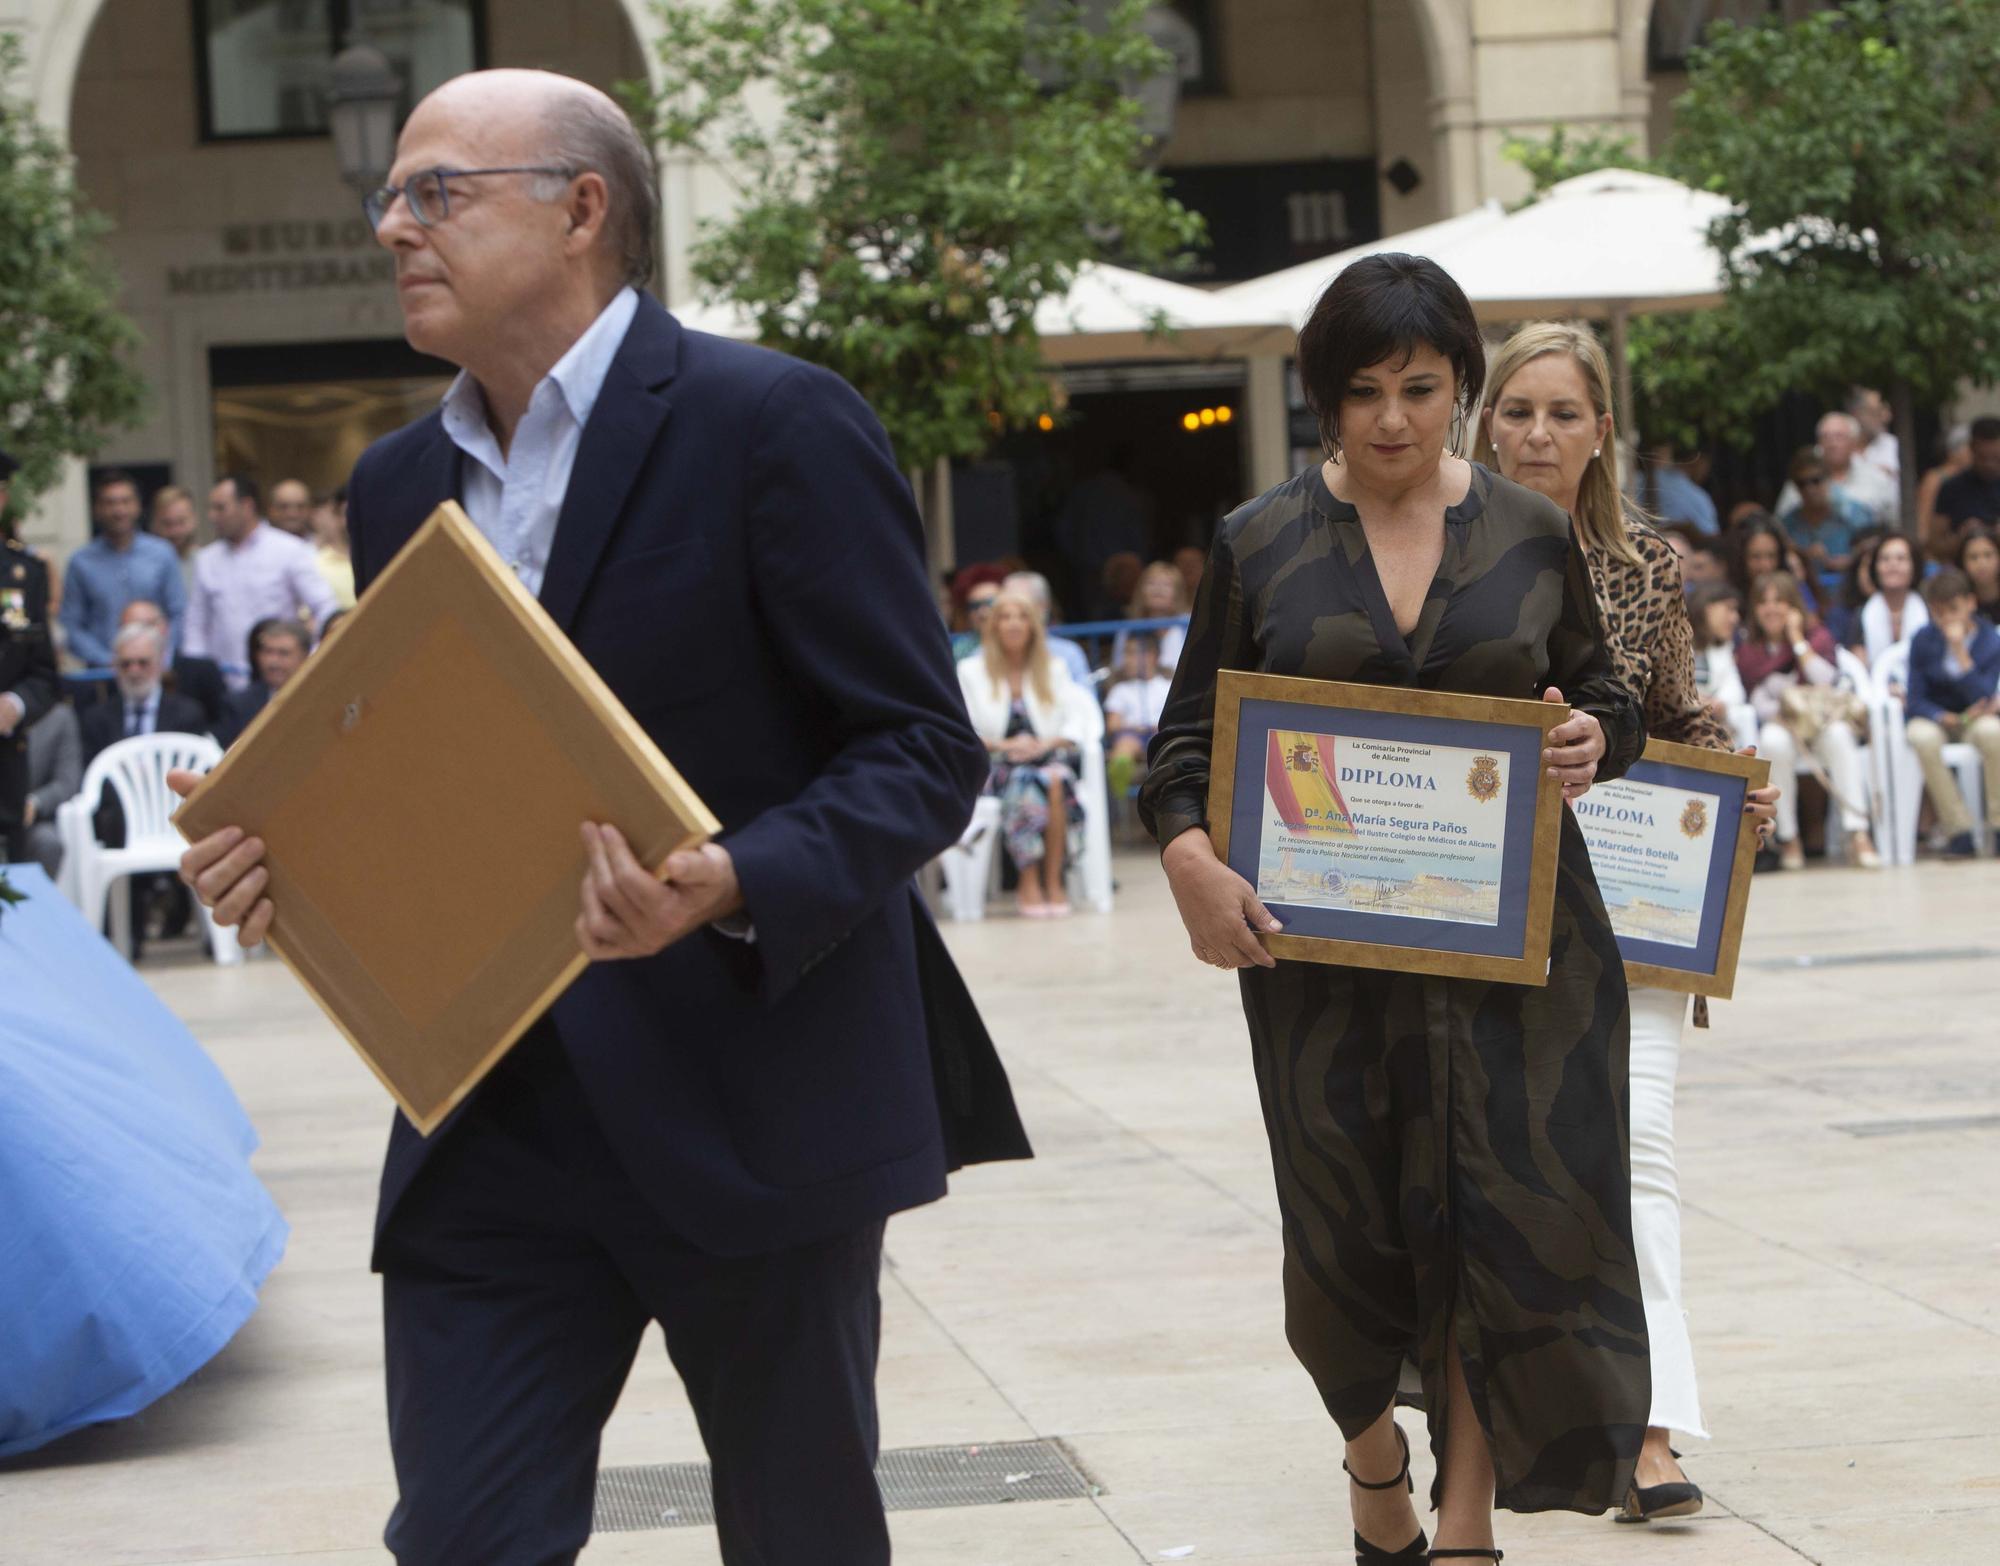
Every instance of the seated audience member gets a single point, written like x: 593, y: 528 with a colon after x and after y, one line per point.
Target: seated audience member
x: 1119, y: 581
x: 1954, y: 697
x: 1788, y: 668
x: 1895, y: 611
x: 1823, y: 524
x: 1033, y: 586
x: 1160, y: 595
x: 1979, y: 559
x: 1670, y: 488
x: 1191, y: 560
x: 1132, y: 709
x: 55, y: 773
x: 1974, y: 495
x: 195, y: 677
x: 1762, y: 548
x: 1716, y: 614
x: 1867, y: 486
x: 1954, y: 457
x: 973, y: 590
x: 277, y: 648
x: 331, y: 552
x: 1842, y: 615
x: 1025, y: 706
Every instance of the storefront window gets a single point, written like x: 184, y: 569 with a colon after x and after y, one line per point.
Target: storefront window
x: 264, y: 62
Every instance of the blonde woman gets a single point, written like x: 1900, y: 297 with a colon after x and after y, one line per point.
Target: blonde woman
x: 1023, y: 703
x: 1547, y: 424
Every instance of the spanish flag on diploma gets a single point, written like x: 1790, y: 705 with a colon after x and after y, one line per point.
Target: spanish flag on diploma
x: 1299, y: 775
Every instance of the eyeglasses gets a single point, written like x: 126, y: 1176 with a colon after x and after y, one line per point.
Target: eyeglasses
x: 981, y: 605
x: 429, y: 197
x: 133, y: 663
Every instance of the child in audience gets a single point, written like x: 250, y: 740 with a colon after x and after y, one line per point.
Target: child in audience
x: 1132, y: 710
x: 1716, y: 614
x: 1954, y: 697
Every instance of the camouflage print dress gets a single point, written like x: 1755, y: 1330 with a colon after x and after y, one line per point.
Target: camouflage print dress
x: 1450, y: 1153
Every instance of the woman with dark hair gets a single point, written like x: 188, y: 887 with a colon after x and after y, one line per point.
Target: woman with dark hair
x: 1448, y: 1209
x: 1761, y: 548
x: 1895, y: 612
x: 1842, y: 617
x: 1979, y: 559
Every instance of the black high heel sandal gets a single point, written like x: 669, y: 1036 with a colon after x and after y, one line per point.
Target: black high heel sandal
x: 1496, y: 1556
x: 1417, y: 1551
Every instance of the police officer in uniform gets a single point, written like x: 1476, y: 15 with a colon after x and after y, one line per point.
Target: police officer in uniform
x: 28, y: 686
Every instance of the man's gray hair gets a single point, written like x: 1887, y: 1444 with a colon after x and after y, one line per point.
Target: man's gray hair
x: 1846, y: 421
x: 1036, y: 586
x: 131, y: 635
x: 592, y: 136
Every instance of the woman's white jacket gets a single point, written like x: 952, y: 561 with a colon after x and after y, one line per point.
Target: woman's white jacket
x: 1072, y: 714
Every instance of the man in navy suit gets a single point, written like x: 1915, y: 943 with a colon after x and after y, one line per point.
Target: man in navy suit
x: 710, y: 1128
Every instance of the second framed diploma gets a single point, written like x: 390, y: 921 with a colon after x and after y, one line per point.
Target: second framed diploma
x: 1390, y: 828
x: 1672, y: 855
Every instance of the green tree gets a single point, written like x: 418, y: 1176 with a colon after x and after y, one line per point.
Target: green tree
x: 914, y: 178
x: 1861, y: 148
x: 1565, y: 153
x: 66, y: 376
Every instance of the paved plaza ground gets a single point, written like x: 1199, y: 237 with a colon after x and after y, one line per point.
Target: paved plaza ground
x: 1120, y: 1293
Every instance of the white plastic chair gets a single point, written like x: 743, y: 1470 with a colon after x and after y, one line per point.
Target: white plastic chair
x: 1905, y: 775
x: 135, y: 770
x: 970, y: 866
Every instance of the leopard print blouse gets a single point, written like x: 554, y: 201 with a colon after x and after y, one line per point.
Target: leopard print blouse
x: 1651, y: 641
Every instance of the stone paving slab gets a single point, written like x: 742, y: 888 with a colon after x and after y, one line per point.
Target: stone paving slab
x: 1121, y: 1292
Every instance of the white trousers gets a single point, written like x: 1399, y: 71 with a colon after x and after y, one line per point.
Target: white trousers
x: 1657, y: 1018
x: 1835, y: 749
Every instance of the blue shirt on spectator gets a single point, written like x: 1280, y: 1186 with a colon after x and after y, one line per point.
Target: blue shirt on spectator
x: 100, y: 581
x: 1073, y: 658
x: 1836, y: 534
x: 1936, y: 688
x: 1675, y: 497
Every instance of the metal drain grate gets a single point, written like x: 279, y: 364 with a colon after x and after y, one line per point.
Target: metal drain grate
x: 918, y: 1478
x: 1916, y: 1127
x: 1858, y: 959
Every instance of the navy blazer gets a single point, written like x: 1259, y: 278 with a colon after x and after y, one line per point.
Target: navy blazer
x: 739, y: 557
x: 1934, y: 689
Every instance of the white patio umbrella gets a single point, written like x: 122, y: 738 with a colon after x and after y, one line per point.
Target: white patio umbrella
x: 1604, y: 246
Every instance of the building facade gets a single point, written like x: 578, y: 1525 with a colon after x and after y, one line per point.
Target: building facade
x: 271, y: 332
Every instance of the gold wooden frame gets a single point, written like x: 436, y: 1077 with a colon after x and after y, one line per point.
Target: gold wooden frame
x: 1721, y: 984
x: 1233, y: 687
x: 420, y: 785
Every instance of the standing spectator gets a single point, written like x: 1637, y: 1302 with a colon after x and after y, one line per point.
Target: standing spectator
x: 1824, y: 521
x: 1973, y: 495
x: 251, y: 572
x: 292, y: 508
x: 1879, y: 447
x: 1979, y: 559
x: 118, y: 565
x: 1033, y: 586
x: 1160, y: 595
x: 175, y: 523
x: 28, y: 686
x: 1954, y: 457
x: 331, y: 552
x: 55, y: 773
x: 1895, y: 612
x: 1672, y: 489
x: 1783, y: 654
x: 1024, y: 707
x: 1839, y: 443
x: 1954, y: 696
x: 1106, y: 514
x: 198, y: 678
x: 277, y: 648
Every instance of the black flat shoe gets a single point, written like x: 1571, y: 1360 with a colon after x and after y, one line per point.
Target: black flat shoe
x: 1653, y: 1502
x: 1417, y: 1551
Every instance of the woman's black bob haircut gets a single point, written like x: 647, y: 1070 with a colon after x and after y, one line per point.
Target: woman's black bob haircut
x: 1385, y: 307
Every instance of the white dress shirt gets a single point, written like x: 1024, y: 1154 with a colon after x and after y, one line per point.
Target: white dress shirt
x: 516, y: 497
x: 148, y: 711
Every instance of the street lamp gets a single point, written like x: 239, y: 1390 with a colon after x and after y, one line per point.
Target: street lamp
x: 364, y: 96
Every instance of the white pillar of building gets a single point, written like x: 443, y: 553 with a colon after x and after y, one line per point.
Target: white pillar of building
x: 1267, y: 438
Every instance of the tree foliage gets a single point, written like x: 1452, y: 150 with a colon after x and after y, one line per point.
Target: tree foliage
x: 915, y: 177
x: 1861, y: 148
x: 1567, y: 152
x: 66, y: 378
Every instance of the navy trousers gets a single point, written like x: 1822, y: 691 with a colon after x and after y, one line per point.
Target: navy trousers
x: 520, y: 1272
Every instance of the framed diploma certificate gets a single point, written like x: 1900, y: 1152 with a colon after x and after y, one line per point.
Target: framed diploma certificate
x: 1390, y: 828
x: 1672, y: 853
